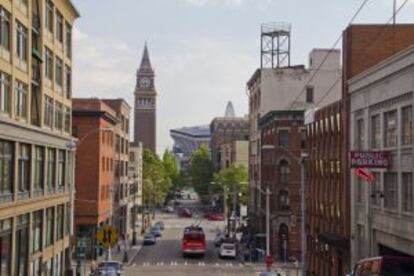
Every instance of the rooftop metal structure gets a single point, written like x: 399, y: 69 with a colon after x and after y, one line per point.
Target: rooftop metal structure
x: 275, y: 45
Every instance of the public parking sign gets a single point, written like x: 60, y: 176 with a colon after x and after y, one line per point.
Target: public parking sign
x: 370, y: 159
x: 107, y: 235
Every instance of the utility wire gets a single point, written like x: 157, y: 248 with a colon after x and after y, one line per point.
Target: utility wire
x: 363, y: 55
x: 327, y: 55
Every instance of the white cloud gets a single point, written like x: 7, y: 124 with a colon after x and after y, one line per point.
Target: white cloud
x: 78, y: 35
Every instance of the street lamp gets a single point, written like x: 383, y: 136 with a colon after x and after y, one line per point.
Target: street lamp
x: 301, y: 161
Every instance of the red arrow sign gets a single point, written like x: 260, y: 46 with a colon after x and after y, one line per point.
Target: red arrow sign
x: 368, y: 176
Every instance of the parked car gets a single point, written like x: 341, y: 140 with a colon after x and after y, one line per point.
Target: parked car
x: 110, y: 267
x: 228, y: 249
x: 215, y: 217
x: 194, y: 241
x: 219, y: 239
x: 106, y: 271
x: 168, y: 209
x: 185, y: 212
x: 385, y: 266
x: 160, y: 225
x: 155, y: 231
x: 149, y: 239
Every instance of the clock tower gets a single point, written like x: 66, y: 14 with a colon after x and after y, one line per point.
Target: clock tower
x: 145, y: 104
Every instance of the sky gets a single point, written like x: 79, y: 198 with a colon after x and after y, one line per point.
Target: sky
x: 203, y: 51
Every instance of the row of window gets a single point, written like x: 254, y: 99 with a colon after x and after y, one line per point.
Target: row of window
x: 284, y: 138
x: 107, y: 164
x: 325, y: 126
x: 389, y: 191
x: 19, y: 98
x: 31, y: 162
x: 55, y: 229
x: 57, y: 115
x: 55, y: 23
x: 390, y: 130
x: 62, y: 73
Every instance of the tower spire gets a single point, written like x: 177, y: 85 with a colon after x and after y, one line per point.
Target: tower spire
x: 145, y: 61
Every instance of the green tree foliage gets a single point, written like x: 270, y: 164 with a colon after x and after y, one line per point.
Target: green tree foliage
x: 156, y: 184
x: 201, y: 170
x: 232, y: 179
x: 170, y: 168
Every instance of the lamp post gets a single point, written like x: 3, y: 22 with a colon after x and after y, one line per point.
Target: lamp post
x: 134, y: 230
x: 301, y: 161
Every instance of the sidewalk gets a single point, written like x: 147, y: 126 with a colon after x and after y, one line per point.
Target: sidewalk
x: 285, y: 269
x: 116, y: 255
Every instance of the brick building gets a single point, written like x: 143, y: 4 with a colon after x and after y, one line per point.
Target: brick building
x: 327, y: 193
x: 283, y: 140
x: 36, y: 158
x: 330, y: 249
x: 225, y: 130
x: 94, y: 125
x: 123, y: 199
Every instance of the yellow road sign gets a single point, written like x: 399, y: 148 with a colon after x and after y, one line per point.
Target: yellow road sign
x: 107, y: 235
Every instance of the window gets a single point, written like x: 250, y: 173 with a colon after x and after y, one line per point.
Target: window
x: 49, y: 225
x: 24, y: 168
x: 49, y: 15
x: 36, y: 267
x: 51, y: 169
x: 59, y: 116
x: 21, y: 41
x: 5, y: 245
x: 59, y: 27
x: 303, y: 139
x: 284, y: 138
x: 60, y: 222
x: 407, y: 192
x: 4, y: 29
x: 375, y: 189
x: 61, y: 169
x: 407, y: 125
x: 284, y: 203
x: 6, y: 167
x: 359, y: 134
x: 37, y: 230
x: 22, y: 245
x: 284, y: 171
x: 49, y: 109
x: 59, y: 71
x: 68, y: 116
x: 68, y: 217
x: 48, y: 64
x: 375, y: 132
x: 68, y: 82
x: 309, y: 94
x: 4, y: 92
x: 390, y: 190
x: 39, y: 172
x: 68, y: 40
x: 20, y: 100
x: 390, y: 128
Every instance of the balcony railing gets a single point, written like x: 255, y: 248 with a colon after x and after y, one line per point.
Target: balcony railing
x: 38, y: 193
x: 6, y: 197
x: 23, y: 195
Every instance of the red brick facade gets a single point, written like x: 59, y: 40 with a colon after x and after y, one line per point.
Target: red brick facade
x: 327, y: 193
x: 93, y: 124
x: 282, y: 136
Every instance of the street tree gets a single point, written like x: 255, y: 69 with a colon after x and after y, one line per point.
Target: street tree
x: 201, y: 170
x: 233, y: 179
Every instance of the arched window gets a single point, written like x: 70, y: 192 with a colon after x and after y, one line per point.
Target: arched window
x: 284, y: 171
x: 284, y: 202
x: 283, y: 242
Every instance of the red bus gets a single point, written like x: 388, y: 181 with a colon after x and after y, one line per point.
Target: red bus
x: 194, y: 241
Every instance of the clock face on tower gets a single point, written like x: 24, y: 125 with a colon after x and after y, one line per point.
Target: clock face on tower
x: 144, y: 82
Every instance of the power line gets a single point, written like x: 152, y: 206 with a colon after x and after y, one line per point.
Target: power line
x: 368, y: 47
x: 327, y: 55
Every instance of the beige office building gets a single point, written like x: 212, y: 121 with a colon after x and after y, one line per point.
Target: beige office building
x: 234, y: 153
x: 36, y: 172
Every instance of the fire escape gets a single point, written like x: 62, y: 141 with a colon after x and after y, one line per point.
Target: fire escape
x: 36, y: 95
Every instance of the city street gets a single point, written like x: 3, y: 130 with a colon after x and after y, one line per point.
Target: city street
x: 165, y: 257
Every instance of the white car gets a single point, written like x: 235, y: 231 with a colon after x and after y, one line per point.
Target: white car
x: 227, y: 250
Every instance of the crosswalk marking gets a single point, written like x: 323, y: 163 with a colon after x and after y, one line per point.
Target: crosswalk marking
x: 199, y: 263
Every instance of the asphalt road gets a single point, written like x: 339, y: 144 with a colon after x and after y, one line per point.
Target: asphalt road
x: 165, y: 258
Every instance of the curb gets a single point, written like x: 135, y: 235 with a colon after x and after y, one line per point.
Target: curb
x: 132, y: 258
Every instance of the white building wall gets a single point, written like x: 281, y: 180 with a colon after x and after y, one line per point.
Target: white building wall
x: 385, y: 87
